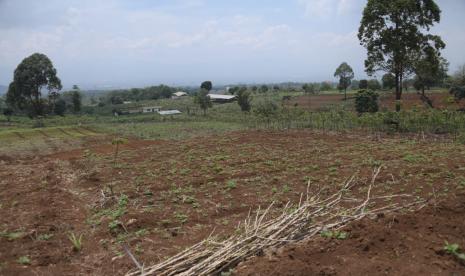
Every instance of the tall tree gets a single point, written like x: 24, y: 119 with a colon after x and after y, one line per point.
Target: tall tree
x: 76, y: 99
x: 394, y: 32
x: 32, y: 75
x: 345, y: 74
x: 203, y: 100
x: 363, y: 84
x: 207, y: 85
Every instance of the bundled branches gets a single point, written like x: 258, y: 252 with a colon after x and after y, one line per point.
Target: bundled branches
x: 312, y: 216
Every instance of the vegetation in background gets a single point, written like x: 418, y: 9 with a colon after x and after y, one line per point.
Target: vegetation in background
x: 366, y: 101
x: 206, y: 85
x: 203, y: 100
x: 32, y: 75
x: 389, y: 81
x: 244, y: 99
x: 391, y: 33
x: 345, y: 74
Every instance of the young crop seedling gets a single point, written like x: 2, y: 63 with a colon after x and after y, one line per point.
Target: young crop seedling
x: 454, y: 249
x: 76, y: 241
x: 231, y: 184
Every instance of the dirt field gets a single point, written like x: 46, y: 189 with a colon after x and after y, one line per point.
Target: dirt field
x: 400, y: 244
x: 440, y: 100
x: 168, y: 195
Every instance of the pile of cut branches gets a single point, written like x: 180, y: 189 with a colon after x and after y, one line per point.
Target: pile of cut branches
x: 310, y: 217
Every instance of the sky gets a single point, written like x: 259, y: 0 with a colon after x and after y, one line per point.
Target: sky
x: 129, y: 43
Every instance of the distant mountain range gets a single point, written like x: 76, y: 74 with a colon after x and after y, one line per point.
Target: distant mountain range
x: 3, y: 89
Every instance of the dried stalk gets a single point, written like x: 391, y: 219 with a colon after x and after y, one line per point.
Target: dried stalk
x: 309, y: 218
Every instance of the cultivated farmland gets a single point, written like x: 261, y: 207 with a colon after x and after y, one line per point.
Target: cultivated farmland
x: 168, y: 195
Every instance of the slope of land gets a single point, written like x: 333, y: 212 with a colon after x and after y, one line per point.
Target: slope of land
x: 168, y: 195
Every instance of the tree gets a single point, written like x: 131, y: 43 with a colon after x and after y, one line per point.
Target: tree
x: 8, y: 112
x: 60, y: 107
x: 430, y: 69
x: 32, y: 75
x: 276, y: 88
x: 308, y: 88
x: 363, y: 84
x: 389, y: 81
x: 326, y: 86
x: 76, y: 99
x: 207, y: 85
x: 244, y: 99
x: 374, y: 85
x: 234, y: 90
x: 203, y: 100
x: 458, y: 84
x: 345, y: 74
x: 254, y: 88
x: 366, y: 101
x: 264, y: 89
x: 394, y: 33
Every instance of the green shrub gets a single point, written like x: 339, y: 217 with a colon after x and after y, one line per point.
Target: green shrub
x: 366, y: 101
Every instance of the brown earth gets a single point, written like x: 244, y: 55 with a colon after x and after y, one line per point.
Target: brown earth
x: 410, y: 100
x: 396, y: 244
x: 168, y: 195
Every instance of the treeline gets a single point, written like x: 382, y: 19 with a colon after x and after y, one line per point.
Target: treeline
x: 137, y: 94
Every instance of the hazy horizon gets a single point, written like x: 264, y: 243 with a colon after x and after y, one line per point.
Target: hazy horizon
x: 117, y: 43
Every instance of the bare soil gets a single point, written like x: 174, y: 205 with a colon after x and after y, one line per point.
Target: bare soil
x: 396, y: 244
x: 410, y: 100
x: 168, y: 195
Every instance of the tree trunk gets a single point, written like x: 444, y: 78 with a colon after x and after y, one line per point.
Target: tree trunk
x: 398, y: 90
x: 345, y: 94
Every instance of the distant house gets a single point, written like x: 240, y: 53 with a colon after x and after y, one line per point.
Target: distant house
x: 179, y: 94
x: 150, y: 109
x: 169, y: 112
x: 127, y: 102
x: 219, y: 98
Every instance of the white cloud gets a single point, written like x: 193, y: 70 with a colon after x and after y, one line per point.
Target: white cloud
x: 326, y: 8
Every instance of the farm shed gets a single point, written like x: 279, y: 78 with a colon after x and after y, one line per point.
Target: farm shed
x: 219, y: 98
x: 179, y: 94
x: 169, y: 112
x: 150, y: 109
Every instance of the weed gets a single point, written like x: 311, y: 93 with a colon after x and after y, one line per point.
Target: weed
x: 454, y: 249
x: 12, y: 235
x: 24, y: 260
x: 182, y: 218
x: 286, y: 189
x: 340, y: 235
x: 415, y: 158
x: 44, y: 237
x: 231, y: 184
x: 77, y: 242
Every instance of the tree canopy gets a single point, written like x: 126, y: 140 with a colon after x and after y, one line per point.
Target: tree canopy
x: 207, y: 85
x: 345, y: 74
x: 389, y: 81
x: 430, y: 69
x: 32, y: 75
x: 395, y: 32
